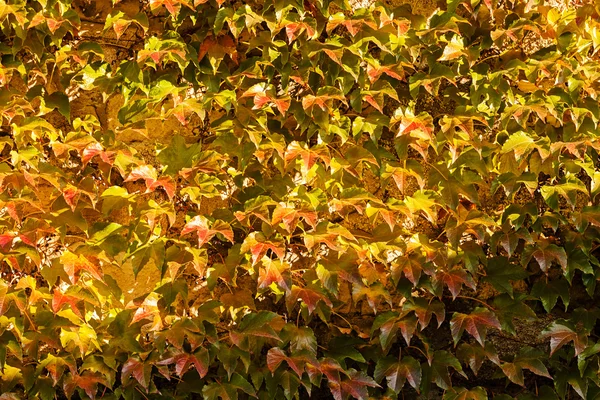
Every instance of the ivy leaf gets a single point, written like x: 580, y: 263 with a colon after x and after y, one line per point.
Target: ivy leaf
x: 74, y: 263
x: 276, y: 356
x: 454, y: 49
x: 387, y: 324
x: 274, y: 271
x: 410, y: 266
x: 438, y: 371
x: 259, y: 245
x: 562, y: 332
x: 56, y: 366
x: 229, y: 389
x: 508, y: 308
x: 530, y: 359
x: 88, y: 381
x: 200, y: 360
x: 146, y: 253
x: 309, y: 156
x: 200, y: 225
x: 310, y: 297
x: 356, y: 385
x: 475, y: 355
x: 545, y: 253
x: 477, y: 393
x: 178, y: 155
x: 256, y: 325
x: 140, y: 370
x: 420, y: 126
x: 150, y: 176
x: 549, y: 292
x: 513, y: 372
x: 373, y: 293
x: 476, y: 323
x: 290, y: 216
x: 520, y: 143
x: 499, y: 273
x: 424, y: 310
x: 398, y: 372
x: 353, y: 25
x: 345, y: 347
x: 455, y: 279
x: 328, y: 234
x: 323, y: 99
x: 58, y: 299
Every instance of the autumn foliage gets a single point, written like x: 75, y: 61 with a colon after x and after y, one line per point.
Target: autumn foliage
x: 311, y: 198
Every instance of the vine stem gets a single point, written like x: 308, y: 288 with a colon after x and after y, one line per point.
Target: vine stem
x: 142, y: 393
x: 477, y: 300
x: 416, y: 348
x: 344, y: 319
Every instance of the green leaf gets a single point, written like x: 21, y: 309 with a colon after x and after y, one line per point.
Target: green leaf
x: 178, y: 155
x: 520, y: 143
x: 150, y: 252
x: 549, y: 292
x: 60, y: 101
x: 438, y: 370
x: 500, y: 272
x: 477, y: 393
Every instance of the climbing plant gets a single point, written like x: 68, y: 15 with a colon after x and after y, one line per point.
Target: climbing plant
x: 351, y: 200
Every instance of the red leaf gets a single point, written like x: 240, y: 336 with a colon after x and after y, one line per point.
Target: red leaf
x: 73, y: 264
x: 356, y: 385
x: 475, y: 323
x: 308, y: 296
x: 200, y: 360
x: 167, y: 183
x: 70, y: 194
x: 58, y: 299
x: 205, y: 233
x: 259, y: 245
x: 423, y: 124
x: 295, y: 29
x: 120, y: 26
x: 454, y: 279
x: 272, y: 272
x: 407, y: 326
x: 334, y: 55
x: 218, y: 47
x: 88, y: 381
x: 139, y: 370
x: 409, y: 266
x: 150, y: 176
x: 6, y: 240
x: 309, y: 156
x: 282, y: 104
x: 95, y: 149
x: 374, y: 103
x: 424, y: 310
x: 290, y: 217
x: 276, y: 356
x: 53, y: 24
x: 398, y: 372
x: 560, y: 334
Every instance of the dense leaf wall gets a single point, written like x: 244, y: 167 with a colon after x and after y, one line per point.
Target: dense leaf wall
x: 217, y: 199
